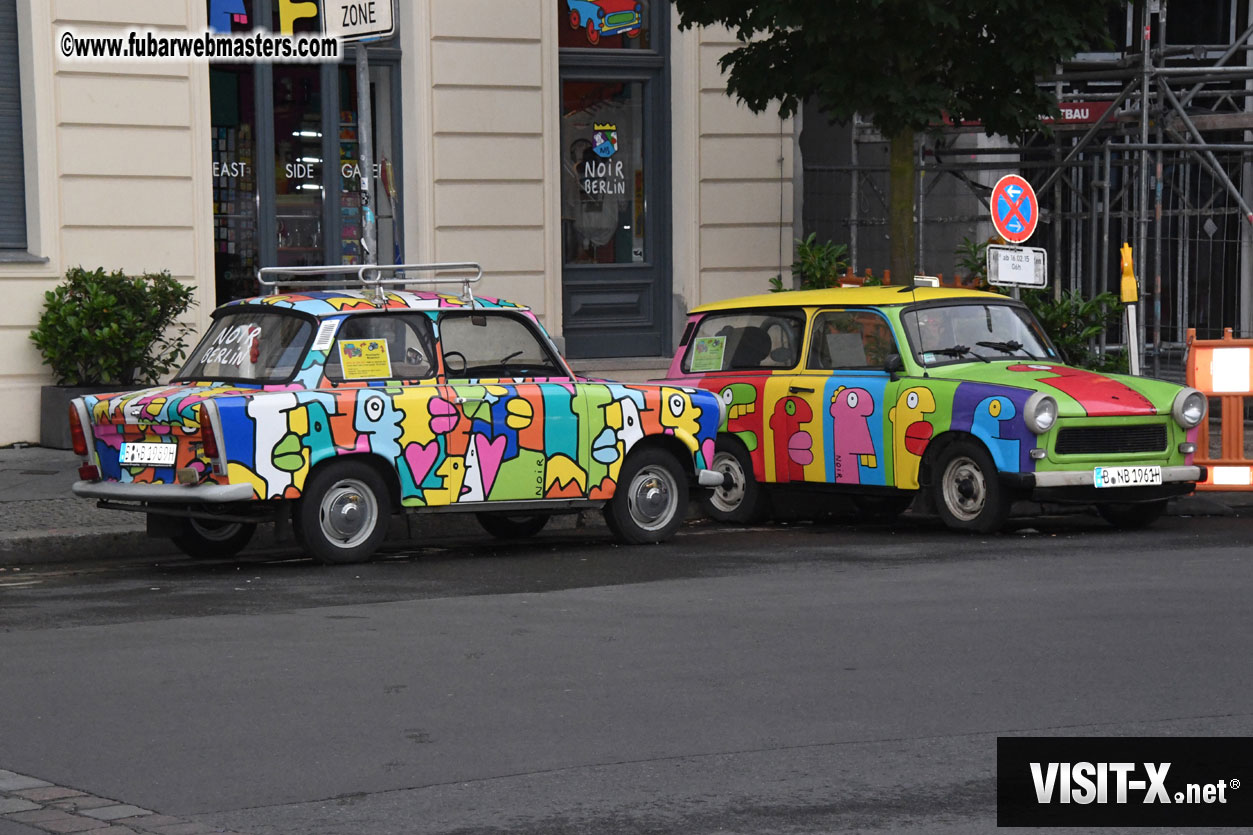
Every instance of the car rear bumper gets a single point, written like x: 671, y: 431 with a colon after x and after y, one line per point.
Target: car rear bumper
x: 163, y: 493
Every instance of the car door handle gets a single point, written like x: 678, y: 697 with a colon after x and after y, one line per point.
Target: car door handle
x: 461, y: 400
x: 799, y: 390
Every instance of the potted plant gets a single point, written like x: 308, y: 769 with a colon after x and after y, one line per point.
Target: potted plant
x: 107, y: 331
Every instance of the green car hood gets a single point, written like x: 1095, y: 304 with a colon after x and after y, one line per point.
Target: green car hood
x: 1078, y: 392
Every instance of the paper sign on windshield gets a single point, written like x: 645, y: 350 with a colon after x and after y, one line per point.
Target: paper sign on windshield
x: 708, y: 352
x: 364, y: 359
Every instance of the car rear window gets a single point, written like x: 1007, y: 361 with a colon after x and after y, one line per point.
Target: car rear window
x: 252, y: 345
x: 744, y: 341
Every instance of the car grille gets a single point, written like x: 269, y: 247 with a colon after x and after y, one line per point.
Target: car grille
x: 1096, y: 440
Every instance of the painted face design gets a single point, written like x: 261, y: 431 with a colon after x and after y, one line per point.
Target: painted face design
x: 793, y: 446
x: 851, y: 442
x: 910, y: 433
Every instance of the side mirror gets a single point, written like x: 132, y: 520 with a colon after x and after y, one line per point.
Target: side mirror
x: 893, y: 365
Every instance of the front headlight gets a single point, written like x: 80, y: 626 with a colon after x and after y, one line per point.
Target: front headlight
x: 1189, y: 408
x: 1040, y: 413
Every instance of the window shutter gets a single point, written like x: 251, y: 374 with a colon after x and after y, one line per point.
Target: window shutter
x: 12, y: 162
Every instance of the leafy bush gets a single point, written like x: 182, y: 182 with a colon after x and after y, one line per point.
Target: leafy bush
x: 817, y: 265
x: 1073, y: 322
x: 101, y: 328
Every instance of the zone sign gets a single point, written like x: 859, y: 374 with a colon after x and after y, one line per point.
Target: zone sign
x: 359, y: 20
x: 1015, y: 210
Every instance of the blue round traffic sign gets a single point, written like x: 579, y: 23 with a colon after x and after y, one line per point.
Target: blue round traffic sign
x: 1015, y: 210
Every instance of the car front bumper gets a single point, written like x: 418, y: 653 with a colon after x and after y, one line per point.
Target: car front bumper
x: 1076, y: 485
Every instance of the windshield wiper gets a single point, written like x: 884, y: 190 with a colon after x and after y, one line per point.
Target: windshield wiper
x: 958, y: 351
x: 1007, y: 347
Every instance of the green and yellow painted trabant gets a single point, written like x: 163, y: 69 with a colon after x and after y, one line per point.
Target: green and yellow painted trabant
x: 878, y: 393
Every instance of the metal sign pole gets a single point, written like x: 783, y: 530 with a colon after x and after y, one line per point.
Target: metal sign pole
x: 365, y: 138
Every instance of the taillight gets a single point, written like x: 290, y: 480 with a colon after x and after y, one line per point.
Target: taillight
x: 77, y: 437
x: 207, y: 438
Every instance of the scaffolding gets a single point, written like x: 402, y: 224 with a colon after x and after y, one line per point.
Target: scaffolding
x: 1155, y: 148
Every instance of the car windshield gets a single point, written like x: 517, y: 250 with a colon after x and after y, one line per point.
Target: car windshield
x: 252, y: 345
x: 974, y: 331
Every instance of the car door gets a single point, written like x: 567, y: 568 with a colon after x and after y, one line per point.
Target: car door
x: 381, y: 369
x: 516, y: 438
x: 852, y: 395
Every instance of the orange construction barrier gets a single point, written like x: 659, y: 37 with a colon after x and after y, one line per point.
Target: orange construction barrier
x: 1223, y: 368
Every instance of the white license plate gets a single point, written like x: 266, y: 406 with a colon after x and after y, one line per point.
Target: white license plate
x: 160, y: 455
x: 1126, y: 476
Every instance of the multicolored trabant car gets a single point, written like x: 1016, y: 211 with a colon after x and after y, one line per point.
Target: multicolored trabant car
x: 880, y: 393
x: 333, y: 408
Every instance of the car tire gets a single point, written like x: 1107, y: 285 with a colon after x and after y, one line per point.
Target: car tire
x: 593, y: 32
x: 575, y: 22
x: 650, y: 502
x: 206, y: 539
x: 1132, y: 516
x: 966, y: 489
x: 513, y: 525
x: 343, y: 515
x: 741, y: 499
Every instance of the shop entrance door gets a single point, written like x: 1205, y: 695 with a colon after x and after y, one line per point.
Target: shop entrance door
x: 615, y: 183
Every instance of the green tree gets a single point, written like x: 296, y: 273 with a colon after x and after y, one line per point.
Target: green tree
x: 904, y: 65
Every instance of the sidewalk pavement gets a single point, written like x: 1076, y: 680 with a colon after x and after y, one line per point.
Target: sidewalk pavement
x: 41, y: 522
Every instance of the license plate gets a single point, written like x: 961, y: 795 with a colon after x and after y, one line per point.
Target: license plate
x: 1126, y: 476
x: 160, y: 455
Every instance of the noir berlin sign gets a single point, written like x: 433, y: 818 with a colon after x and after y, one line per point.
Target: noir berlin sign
x: 1015, y: 210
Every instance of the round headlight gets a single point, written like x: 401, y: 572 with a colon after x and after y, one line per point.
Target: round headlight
x: 1189, y: 407
x: 1040, y: 413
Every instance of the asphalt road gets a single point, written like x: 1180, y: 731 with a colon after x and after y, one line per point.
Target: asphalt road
x: 786, y: 679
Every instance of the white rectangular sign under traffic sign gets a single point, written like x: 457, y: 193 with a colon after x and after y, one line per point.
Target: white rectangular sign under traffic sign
x: 1017, y: 266
x: 359, y: 20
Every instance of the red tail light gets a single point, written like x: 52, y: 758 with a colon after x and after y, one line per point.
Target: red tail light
x: 207, y: 437
x: 77, y: 437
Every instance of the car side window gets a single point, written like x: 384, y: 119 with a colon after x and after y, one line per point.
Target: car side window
x: 849, y: 339
x: 487, y: 345
x: 745, y: 341
x: 395, y: 346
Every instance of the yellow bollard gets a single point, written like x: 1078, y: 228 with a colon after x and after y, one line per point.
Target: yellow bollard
x: 1130, y: 295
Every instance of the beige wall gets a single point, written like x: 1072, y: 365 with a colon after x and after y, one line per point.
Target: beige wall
x: 480, y: 121
x: 117, y: 175
x: 733, y: 179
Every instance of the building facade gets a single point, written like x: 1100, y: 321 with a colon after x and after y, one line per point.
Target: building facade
x: 600, y: 175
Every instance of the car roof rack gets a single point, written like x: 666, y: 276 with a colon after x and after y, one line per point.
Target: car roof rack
x: 372, y: 277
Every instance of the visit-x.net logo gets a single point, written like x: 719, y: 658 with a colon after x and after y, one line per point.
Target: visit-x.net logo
x: 1123, y: 781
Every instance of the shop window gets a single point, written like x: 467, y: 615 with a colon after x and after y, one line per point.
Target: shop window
x: 602, y: 172
x: 12, y: 160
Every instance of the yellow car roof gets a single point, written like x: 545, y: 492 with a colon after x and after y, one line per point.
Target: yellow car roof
x: 892, y: 294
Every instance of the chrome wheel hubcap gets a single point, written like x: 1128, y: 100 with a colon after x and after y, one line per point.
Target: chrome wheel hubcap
x: 965, y: 488
x: 651, y: 498
x: 348, y: 513
x: 728, y: 497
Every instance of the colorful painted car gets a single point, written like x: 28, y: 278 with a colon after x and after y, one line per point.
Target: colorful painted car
x: 602, y: 18
x: 333, y: 408
x: 878, y: 393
